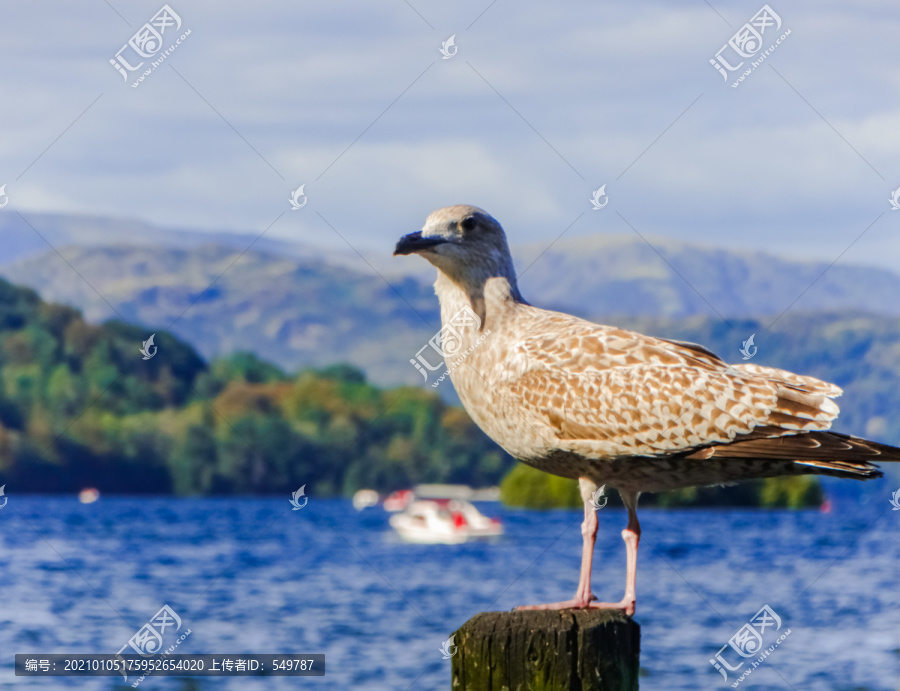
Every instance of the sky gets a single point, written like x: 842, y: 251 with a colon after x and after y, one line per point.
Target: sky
x: 529, y: 110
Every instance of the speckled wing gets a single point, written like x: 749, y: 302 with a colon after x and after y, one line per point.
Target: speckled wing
x: 604, y: 392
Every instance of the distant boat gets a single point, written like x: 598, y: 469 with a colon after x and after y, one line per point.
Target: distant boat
x: 399, y: 500
x: 365, y: 498
x: 443, y: 521
x: 88, y: 495
x: 463, y: 492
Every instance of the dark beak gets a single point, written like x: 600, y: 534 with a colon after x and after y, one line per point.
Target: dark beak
x: 414, y: 242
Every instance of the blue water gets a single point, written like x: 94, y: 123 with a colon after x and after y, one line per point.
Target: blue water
x: 251, y: 575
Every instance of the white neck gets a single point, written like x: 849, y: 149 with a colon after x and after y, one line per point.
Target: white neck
x: 491, y: 301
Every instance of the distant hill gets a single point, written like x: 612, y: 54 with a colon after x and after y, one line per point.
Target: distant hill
x: 622, y: 274
x: 29, y: 238
x: 592, y: 274
x: 293, y: 312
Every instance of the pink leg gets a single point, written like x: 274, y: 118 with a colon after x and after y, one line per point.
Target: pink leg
x: 632, y: 536
x: 584, y: 599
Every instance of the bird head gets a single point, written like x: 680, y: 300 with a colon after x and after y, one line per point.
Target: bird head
x: 466, y: 244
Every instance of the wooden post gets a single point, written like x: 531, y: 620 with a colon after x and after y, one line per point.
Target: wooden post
x: 546, y: 650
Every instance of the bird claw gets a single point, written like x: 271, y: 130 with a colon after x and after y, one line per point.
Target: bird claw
x: 626, y: 605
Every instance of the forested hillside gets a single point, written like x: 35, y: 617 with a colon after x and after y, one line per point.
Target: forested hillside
x: 79, y: 406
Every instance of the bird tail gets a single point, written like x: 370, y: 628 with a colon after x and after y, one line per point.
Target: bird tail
x: 815, y: 453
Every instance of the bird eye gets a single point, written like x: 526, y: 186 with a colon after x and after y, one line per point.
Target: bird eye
x: 468, y: 223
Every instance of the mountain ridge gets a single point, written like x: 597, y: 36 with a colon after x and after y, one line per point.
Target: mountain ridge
x: 585, y: 274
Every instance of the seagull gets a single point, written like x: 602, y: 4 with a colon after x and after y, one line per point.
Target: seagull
x: 615, y: 408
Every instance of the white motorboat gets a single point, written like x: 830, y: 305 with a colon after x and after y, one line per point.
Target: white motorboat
x: 399, y: 500
x: 443, y: 521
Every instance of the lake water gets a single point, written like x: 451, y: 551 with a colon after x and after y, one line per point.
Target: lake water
x: 251, y: 575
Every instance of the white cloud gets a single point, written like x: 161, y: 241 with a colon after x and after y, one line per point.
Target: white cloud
x: 753, y: 167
